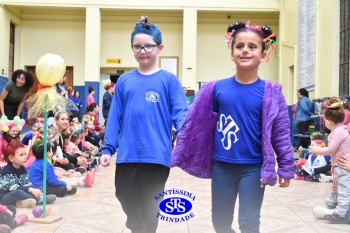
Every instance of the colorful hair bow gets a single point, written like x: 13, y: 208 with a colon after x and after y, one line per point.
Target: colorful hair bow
x: 6, y: 124
x: 337, y: 104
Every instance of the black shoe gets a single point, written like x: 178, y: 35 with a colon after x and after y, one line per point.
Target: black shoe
x: 51, y: 198
x: 72, y: 191
x: 334, y: 219
x: 81, y: 170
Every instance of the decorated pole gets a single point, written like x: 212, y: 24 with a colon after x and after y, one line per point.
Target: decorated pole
x: 49, y: 70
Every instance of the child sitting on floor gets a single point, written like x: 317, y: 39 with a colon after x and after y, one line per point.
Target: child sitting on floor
x: 90, y: 134
x: 35, y: 128
x: 72, y: 147
x: 35, y: 170
x: 72, y: 177
x: 9, y: 217
x: 306, y: 167
x: 15, y: 186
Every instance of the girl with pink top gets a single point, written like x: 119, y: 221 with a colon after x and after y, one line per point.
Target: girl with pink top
x: 5, y: 139
x: 338, y: 145
x: 346, y: 112
x: 90, y: 98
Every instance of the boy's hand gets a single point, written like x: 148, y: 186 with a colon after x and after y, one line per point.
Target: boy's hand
x: 2, y: 164
x: 105, y: 160
x: 300, y: 148
x: 36, y: 192
x: 311, y: 150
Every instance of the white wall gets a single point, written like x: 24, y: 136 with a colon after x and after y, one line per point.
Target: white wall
x: 66, y: 39
x: 115, y: 43
x: 214, y: 58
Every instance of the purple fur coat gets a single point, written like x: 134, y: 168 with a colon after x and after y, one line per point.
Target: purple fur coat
x: 195, y: 141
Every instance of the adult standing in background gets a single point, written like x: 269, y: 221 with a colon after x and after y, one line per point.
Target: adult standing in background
x: 303, y: 115
x: 61, y: 88
x: 107, y: 100
x: 77, y: 101
x: 189, y: 100
x: 90, y: 98
x: 15, y: 93
x: 295, y: 140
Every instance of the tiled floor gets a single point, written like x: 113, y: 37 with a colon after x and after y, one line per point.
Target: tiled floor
x: 97, y: 210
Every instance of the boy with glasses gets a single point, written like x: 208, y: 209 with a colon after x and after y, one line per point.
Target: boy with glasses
x: 147, y: 102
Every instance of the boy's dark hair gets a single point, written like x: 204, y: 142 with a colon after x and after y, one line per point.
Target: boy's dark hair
x: 11, y: 148
x: 38, y: 148
x: 91, y: 107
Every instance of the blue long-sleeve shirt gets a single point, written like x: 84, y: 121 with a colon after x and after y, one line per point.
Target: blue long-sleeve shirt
x: 35, y: 171
x: 144, y: 109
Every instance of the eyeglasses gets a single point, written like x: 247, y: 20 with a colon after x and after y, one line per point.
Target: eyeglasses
x: 147, y: 48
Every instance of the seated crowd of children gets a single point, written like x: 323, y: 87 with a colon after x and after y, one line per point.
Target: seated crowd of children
x: 22, y: 162
x: 313, y: 168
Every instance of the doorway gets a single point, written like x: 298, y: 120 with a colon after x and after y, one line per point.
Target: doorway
x: 34, y: 89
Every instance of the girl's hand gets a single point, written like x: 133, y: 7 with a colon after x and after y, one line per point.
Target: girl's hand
x: 69, y: 188
x: 284, y: 183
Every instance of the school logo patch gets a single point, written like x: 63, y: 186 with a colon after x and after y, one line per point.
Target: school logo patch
x: 152, y: 96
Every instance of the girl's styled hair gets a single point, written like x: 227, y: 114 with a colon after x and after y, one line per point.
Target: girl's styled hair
x: 29, y: 77
x: 90, y: 88
x: 334, y: 110
x: 74, y: 137
x: 265, y: 32
x: 11, y: 148
x: 304, y: 92
x: 7, y: 136
x: 143, y: 26
x: 66, y: 136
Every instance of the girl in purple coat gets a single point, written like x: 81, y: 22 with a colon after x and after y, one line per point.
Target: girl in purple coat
x: 246, y: 123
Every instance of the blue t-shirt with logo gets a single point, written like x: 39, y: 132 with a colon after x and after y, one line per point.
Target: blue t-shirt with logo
x: 239, y: 126
x: 144, y: 109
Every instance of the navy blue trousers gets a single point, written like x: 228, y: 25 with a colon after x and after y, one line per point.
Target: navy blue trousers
x: 228, y: 182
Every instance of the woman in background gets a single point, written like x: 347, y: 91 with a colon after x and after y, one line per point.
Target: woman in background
x: 15, y: 93
x: 303, y: 115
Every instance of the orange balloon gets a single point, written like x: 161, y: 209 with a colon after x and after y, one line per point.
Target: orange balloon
x: 48, y: 210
